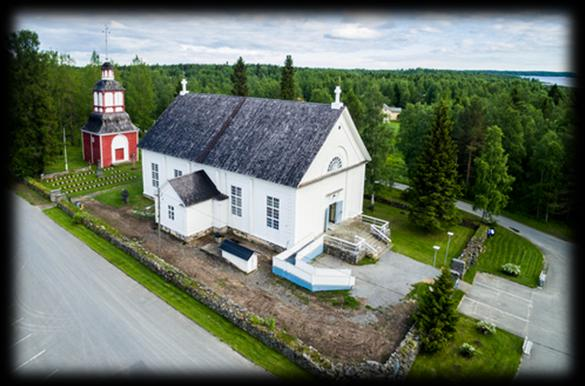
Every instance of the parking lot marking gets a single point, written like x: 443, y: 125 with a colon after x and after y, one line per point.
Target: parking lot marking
x: 21, y: 339
x: 528, y: 300
x: 30, y: 360
x: 17, y: 320
x: 498, y: 310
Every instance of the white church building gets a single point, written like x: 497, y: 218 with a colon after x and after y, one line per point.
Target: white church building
x: 276, y: 171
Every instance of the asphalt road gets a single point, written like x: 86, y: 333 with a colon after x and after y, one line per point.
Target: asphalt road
x: 549, y: 317
x: 74, y: 313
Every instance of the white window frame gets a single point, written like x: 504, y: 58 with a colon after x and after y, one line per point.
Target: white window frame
x: 273, y: 212
x: 178, y: 173
x: 236, y: 200
x: 171, y: 212
x: 155, y: 175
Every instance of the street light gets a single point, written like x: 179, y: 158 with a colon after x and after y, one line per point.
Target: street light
x: 436, y: 248
x: 450, y: 234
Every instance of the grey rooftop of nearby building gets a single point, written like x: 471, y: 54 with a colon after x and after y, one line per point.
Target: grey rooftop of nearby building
x: 236, y: 249
x: 393, y: 109
x: 106, y: 123
x: 195, y: 187
x: 274, y: 140
x: 108, y: 85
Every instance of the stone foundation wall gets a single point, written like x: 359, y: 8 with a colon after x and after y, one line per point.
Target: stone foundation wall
x: 306, y: 356
x: 350, y: 257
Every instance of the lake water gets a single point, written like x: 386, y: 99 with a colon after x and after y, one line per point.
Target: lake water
x: 550, y: 80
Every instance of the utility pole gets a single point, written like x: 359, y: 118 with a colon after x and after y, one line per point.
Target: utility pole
x: 65, y: 150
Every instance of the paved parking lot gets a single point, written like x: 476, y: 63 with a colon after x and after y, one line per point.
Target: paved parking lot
x: 506, y: 304
x: 386, y: 282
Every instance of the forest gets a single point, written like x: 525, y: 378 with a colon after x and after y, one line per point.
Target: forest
x: 50, y: 97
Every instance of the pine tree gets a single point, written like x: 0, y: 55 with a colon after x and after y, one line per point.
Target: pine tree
x: 287, y: 80
x: 239, y: 80
x: 434, y: 188
x: 492, y: 183
x: 436, y: 315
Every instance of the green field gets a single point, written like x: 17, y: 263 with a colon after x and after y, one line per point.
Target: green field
x: 508, y: 247
x: 239, y: 340
x: 554, y: 228
x: 411, y: 241
x: 136, y: 199
x: 498, y: 357
x: 74, y: 160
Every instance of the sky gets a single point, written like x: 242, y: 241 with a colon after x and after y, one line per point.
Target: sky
x: 386, y: 39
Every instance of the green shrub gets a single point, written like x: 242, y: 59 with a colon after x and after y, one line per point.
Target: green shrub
x: 486, y: 328
x: 511, y: 269
x: 467, y: 350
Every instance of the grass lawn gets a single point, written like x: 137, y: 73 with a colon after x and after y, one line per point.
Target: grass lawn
x: 498, y: 356
x: 29, y: 195
x: 411, y: 241
x: 508, y: 247
x: 74, y: 160
x: 554, y: 228
x: 242, y: 342
x: 135, y: 198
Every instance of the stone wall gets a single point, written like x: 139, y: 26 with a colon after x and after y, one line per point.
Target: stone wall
x: 307, y: 357
x: 350, y: 257
x: 474, y: 247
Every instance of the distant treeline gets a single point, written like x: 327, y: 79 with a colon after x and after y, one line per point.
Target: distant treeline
x: 50, y: 94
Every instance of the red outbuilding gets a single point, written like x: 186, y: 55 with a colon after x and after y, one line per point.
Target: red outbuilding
x: 109, y: 137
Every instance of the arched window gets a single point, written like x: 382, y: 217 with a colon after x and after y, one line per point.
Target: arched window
x: 334, y: 164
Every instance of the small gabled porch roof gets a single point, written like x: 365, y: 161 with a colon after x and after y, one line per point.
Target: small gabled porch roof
x: 196, y: 187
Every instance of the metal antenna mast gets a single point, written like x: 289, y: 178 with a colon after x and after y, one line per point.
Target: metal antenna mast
x: 106, y: 32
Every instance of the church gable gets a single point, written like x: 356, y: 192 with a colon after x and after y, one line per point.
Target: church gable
x: 342, y: 149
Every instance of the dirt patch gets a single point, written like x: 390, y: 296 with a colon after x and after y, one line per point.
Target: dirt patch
x: 342, y: 334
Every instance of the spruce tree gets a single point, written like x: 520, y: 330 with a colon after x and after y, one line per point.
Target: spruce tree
x: 287, y: 80
x: 34, y: 133
x: 434, y: 188
x: 492, y: 182
x: 436, y: 315
x: 239, y: 80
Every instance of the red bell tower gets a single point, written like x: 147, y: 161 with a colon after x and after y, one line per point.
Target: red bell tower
x: 109, y: 136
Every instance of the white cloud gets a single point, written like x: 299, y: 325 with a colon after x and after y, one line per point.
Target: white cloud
x: 353, y: 32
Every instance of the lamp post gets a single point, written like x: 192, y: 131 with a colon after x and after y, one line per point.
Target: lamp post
x: 450, y: 234
x: 436, y: 248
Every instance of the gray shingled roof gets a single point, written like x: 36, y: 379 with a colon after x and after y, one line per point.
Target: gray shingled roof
x: 106, y: 123
x: 274, y: 140
x: 107, y: 84
x: 196, y: 187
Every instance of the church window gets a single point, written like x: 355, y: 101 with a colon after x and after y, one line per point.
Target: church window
x: 334, y: 164
x: 236, y: 199
x: 272, y: 212
x: 171, y: 212
x: 154, y: 175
